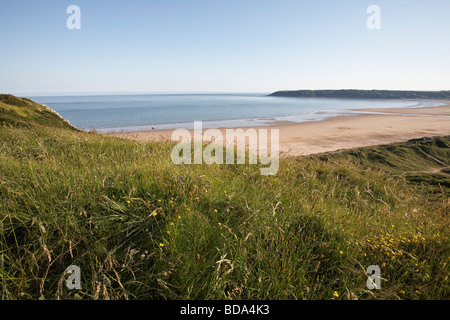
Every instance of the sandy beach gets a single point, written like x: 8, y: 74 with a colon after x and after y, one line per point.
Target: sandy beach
x: 344, y: 132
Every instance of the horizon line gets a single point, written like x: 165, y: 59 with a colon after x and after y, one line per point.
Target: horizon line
x: 101, y: 93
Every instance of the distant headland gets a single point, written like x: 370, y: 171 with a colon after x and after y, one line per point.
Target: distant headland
x: 364, y: 94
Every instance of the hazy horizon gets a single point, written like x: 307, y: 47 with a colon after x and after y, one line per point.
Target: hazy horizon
x: 66, y: 94
x: 40, y: 94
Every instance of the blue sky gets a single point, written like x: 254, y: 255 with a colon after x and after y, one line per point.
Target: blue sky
x: 223, y: 46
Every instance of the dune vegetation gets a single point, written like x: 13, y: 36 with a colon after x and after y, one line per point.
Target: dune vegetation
x: 141, y: 227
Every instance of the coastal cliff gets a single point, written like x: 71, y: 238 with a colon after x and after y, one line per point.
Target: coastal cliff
x: 364, y: 94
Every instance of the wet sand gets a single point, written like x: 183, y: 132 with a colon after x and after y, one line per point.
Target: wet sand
x: 343, y: 132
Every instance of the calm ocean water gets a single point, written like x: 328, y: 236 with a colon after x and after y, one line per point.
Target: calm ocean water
x: 107, y: 113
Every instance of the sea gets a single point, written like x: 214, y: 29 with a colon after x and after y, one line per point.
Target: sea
x: 135, y: 112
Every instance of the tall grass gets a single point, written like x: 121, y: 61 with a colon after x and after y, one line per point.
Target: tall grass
x: 140, y: 227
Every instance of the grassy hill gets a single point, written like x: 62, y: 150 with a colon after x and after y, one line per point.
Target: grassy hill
x: 140, y: 227
x: 22, y: 112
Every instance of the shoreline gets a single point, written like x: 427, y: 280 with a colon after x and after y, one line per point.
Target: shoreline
x: 360, y: 128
